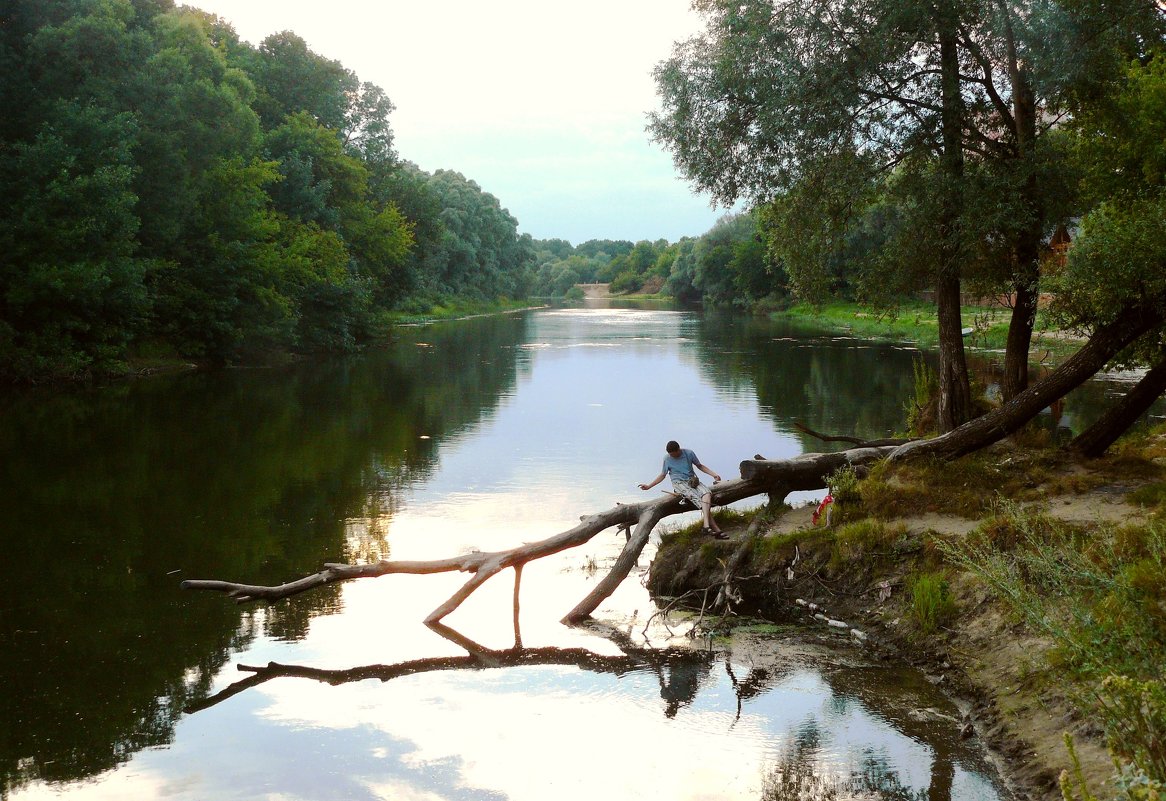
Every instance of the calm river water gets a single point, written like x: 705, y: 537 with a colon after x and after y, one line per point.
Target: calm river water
x: 482, y: 433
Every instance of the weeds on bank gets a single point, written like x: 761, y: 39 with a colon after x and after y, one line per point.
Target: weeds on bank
x: 1100, y: 595
x: 958, y: 487
x: 867, y: 540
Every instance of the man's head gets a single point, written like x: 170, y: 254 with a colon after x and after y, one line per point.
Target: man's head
x: 673, y: 447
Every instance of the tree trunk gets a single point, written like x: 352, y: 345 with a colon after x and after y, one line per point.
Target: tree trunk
x: 955, y: 395
x: 484, y: 565
x: 759, y: 477
x: 1028, y: 243
x: 955, y: 400
x: 808, y: 471
x: 1105, y: 343
x: 1027, y: 292
x: 1116, y: 420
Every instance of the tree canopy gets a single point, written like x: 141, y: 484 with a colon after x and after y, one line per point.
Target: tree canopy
x: 171, y: 189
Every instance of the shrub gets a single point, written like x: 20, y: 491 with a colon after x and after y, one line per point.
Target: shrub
x: 1102, y: 600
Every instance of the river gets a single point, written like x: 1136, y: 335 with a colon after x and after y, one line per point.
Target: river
x: 482, y: 433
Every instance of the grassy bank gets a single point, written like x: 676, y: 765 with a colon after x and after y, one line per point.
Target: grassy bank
x: 1029, y: 583
x: 917, y: 323
x: 456, y: 309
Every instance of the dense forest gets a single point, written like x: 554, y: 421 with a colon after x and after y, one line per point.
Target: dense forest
x: 171, y: 190
x: 727, y: 265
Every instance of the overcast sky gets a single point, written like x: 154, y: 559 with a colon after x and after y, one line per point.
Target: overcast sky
x: 541, y: 102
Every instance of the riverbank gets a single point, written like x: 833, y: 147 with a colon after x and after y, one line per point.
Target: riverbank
x: 915, y: 567
x: 151, y: 360
x: 917, y: 323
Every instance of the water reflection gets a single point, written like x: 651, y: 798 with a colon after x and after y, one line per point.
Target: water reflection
x: 111, y: 496
x: 477, y: 434
x: 813, y: 727
x: 833, y: 384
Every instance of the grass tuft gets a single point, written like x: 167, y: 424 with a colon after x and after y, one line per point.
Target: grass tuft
x: 932, y: 604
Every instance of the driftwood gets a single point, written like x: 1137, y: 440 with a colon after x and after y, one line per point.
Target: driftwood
x: 759, y: 477
x: 807, y: 472
x: 641, y: 518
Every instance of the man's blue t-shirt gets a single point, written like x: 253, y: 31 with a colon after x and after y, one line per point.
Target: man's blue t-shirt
x: 681, y: 466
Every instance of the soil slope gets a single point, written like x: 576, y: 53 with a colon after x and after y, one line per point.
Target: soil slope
x: 784, y: 568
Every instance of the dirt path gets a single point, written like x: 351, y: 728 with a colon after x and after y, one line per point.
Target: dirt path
x: 595, y: 290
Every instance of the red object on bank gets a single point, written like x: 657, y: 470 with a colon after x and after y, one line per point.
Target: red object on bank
x: 829, y: 499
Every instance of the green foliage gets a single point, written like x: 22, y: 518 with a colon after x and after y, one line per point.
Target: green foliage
x: 72, y: 277
x: 1118, y: 261
x: 727, y: 265
x: 844, y: 485
x: 1102, y: 600
x: 165, y: 182
x: 922, y: 408
x: 1074, y: 777
x: 932, y: 605
x: 1134, y: 715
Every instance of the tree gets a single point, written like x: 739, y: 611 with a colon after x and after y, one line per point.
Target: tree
x: 73, y: 281
x: 480, y: 253
x: 775, y: 96
x: 777, y: 478
x: 291, y: 78
x: 937, y: 114
x: 1119, y: 258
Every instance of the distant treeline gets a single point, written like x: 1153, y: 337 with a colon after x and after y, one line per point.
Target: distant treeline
x: 170, y: 190
x: 728, y: 265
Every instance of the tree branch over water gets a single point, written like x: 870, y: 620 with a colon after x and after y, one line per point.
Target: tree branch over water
x: 759, y: 477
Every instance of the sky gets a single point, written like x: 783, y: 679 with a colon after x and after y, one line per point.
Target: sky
x: 542, y: 103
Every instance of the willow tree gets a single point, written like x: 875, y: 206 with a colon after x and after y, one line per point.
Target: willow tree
x: 909, y: 140
x: 824, y: 100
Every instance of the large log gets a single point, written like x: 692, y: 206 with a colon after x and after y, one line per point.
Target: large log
x: 808, y: 471
x: 776, y: 478
x: 1116, y: 420
x: 1106, y: 342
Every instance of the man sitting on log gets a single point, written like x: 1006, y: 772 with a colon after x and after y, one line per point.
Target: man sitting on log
x: 682, y: 463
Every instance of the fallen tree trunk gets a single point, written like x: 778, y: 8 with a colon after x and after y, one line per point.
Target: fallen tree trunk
x: 808, y: 471
x: 1116, y: 420
x: 643, y: 516
x: 777, y: 478
x: 981, y: 432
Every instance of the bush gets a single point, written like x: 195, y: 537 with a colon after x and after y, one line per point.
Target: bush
x: 923, y: 408
x: 1102, y: 600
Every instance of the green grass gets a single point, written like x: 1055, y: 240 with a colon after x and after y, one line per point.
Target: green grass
x: 916, y: 322
x: 865, y: 540
x: 454, y: 308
